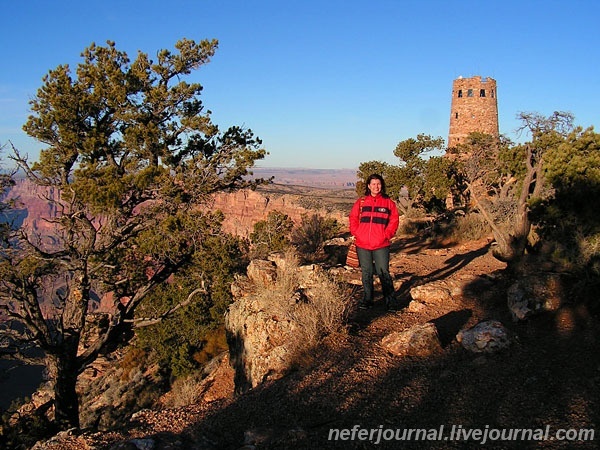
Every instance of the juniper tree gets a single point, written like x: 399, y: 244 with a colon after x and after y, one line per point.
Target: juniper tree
x: 420, y: 180
x: 131, y: 156
x: 504, y: 179
x: 568, y: 218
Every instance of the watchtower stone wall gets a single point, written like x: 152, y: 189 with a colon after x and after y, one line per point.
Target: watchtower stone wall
x: 474, y: 108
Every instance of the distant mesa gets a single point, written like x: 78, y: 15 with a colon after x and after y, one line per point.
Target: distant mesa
x: 323, y: 178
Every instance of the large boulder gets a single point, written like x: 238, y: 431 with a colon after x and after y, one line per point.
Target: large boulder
x: 262, y: 271
x: 431, y: 293
x: 259, y: 341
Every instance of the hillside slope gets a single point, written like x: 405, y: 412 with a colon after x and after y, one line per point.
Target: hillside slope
x: 549, y: 378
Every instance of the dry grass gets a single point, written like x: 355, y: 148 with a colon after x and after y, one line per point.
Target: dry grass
x: 471, y: 227
x: 185, y: 391
x: 317, y: 306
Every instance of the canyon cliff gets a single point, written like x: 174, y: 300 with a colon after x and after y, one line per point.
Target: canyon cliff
x: 242, y: 209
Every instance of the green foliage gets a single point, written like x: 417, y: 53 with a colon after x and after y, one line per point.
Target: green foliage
x: 569, y: 218
x: 182, y: 362
x: 442, y: 177
x: 491, y: 165
x: 419, y: 180
x: 311, y: 234
x: 271, y: 235
x: 412, y: 168
x: 541, y: 194
x: 174, y: 340
x: 574, y: 165
x: 219, y: 259
x: 178, y: 339
x: 502, y: 180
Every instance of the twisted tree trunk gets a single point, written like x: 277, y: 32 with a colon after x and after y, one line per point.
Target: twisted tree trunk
x: 64, y: 362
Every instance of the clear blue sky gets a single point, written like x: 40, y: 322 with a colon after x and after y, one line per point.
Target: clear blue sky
x: 325, y: 84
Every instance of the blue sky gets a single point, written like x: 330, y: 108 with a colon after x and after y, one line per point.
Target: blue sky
x: 325, y: 84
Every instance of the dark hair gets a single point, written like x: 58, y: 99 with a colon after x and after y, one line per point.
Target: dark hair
x: 375, y: 176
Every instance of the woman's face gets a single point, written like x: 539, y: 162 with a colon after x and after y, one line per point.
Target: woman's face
x: 375, y: 186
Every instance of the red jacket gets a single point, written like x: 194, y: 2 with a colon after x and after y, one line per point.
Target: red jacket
x: 375, y: 223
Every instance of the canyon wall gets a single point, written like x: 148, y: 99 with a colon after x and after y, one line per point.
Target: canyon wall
x: 33, y: 208
x: 242, y: 209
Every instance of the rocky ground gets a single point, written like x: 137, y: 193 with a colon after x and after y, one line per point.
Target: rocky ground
x: 548, y: 379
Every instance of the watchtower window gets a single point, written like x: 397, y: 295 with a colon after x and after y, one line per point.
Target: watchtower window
x: 482, y: 92
x: 492, y: 93
x: 460, y: 93
x: 470, y: 93
x: 456, y: 115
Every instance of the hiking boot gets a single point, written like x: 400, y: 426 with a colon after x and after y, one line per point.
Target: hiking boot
x: 391, y: 304
x: 365, y: 304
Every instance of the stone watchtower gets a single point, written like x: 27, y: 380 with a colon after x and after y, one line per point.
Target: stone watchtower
x: 474, y: 108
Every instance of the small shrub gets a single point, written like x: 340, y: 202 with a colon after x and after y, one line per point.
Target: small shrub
x: 449, y: 228
x: 271, y: 235
x: 409, y: 227
x: 311, y: 234
x: 185, y: 391
x: 470, y: 227
x: 134, y: 359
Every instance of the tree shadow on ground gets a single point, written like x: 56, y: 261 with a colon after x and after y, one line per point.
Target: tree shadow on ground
x: 409, y: 279
x: 545, y: 380
x: 450, y: 324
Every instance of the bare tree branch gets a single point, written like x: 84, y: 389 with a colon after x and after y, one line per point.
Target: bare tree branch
x: 144, y: 322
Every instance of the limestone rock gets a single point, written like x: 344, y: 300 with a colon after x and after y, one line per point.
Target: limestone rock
x: 418, y: 340
x: 486, y: 337
x: 271, y: 325
x: 431, y: 293
x: 261, y: 271
x: 258, y: 342
x: 533, y: 294
x: 415, y: 307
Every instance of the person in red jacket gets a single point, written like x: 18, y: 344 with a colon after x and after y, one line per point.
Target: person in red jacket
x: 373, y: 222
